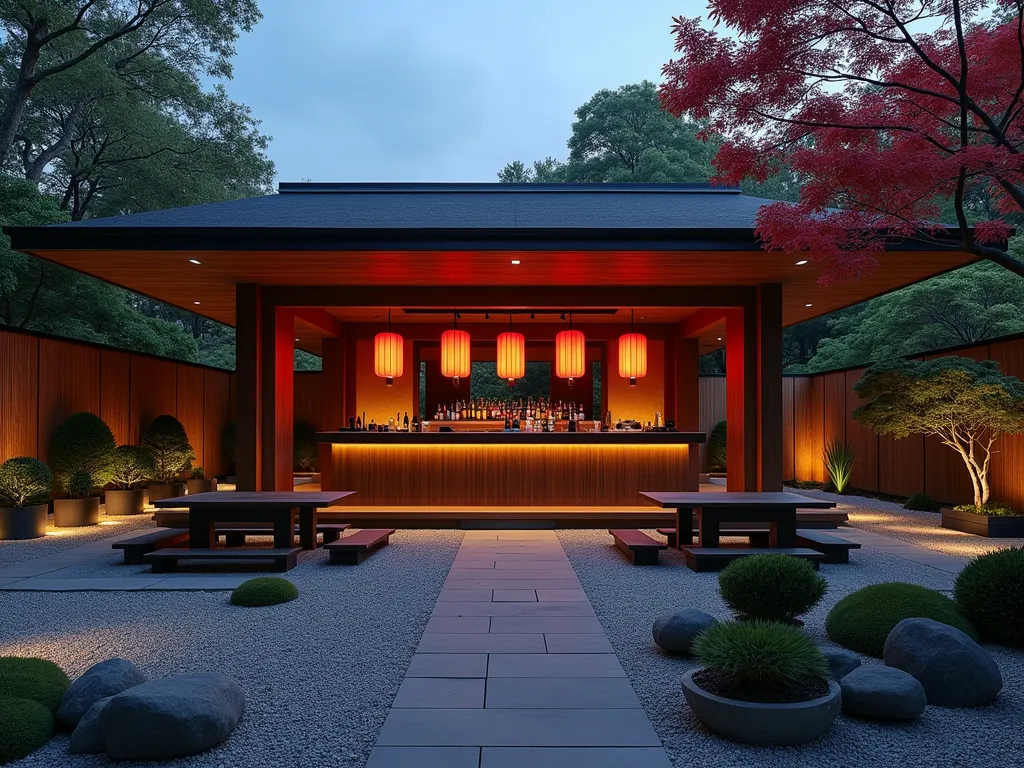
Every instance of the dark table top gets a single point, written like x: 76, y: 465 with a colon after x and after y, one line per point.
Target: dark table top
x: 255, y: 499
x: 734, y: 499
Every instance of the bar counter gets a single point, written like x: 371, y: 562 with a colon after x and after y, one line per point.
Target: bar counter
x: 508, y: 469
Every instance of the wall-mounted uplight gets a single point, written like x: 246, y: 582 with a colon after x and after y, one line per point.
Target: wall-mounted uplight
x: 516, y: 262
x: 807, y: 305
x: 801, y: 262
x: 719, y: 338
x: 195, y: 261
x: 296, y: 339
x: 196, y: 303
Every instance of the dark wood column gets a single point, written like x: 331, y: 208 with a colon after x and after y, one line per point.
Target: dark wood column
x: 687, y: 396
x: 248, y: 379
x: 278, y: 402
x: 769, y: 385
x: 741, y: 398
x: 334, y: 406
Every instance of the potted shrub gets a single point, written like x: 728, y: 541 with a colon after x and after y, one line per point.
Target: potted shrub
x: 762, y: 683
x: 172, y: 457
x: 83, y: 443
x: 968, y: 405
x: 25, y: 485
x: 81, y: 507
x: 197, y: 482
x: 132, y: 467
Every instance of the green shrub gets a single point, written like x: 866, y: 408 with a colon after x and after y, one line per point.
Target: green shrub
x: 862, y: 620
x: 761, y: 654
x: 83, y: 443
x: 771, y: 587
x: 717, y: 454
x: 31, y: 678
x: 197, y: 473
x: 80, y: 485
x: 922, y: 502
x: 25, y: 726
x: 132, y: 467
x: 990, y: 592
x: 304, y: 446
x: 24, y: 482
x: 172, y: 453
x: 264, y: 591
x: 838, y: 457
x: 989, y: 510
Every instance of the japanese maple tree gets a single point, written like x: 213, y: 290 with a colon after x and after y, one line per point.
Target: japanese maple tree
x: 887, y: 110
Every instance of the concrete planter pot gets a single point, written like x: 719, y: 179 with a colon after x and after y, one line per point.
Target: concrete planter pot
x: 121, y: 503
x: 19, y: 523
x: 74, y: 513
x: 983, y: 525
x: 158, y: 491
x: 765, y: 724
x: 200, y: 486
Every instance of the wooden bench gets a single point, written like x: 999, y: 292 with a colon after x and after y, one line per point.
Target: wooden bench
x: 757, y: 538
x: 166, y: 560
x: 352, y: 550
x: 235, y: 537
x: 835, y: 549
x: 640, y: 548
x: 134, y: 548
x: 716, y: 558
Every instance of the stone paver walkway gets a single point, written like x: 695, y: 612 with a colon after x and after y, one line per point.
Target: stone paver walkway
x: 912, y: 552
x: 514, y: 669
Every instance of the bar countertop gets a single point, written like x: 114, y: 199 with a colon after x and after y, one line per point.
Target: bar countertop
x: 634, y: 437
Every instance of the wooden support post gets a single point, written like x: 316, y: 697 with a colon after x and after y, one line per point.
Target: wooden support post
x: 248, y: 377
x: 687, y: 397
x: 769, y: 387
x: 278, y: 402
x: 741, y: 398
x: 334, y: 406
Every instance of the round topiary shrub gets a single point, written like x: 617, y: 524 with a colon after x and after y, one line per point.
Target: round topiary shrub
x: 83, y: 443
x: 304, y: 446
x: 25, y: 726
x: 31, y: 678
x: 760, y: 661
x: 921, y: 502
x: 771, y: 587
x: 80, y: 485
x: 862, y: 620
x: 172, y: 453
x: 24, y: 482
x: 264, y: 591
x: 132, y: 467
x: 990, y: 592
x: 717, y: 455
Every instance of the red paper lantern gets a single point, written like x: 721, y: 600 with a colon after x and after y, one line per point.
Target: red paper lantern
x: 455, y: 361
x: 388, y: 357
x: 511, y: 357
x: 570, y: 355
x: 632, y: 357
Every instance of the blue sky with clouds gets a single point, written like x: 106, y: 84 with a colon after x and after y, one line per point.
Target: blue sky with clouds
x: 449, y: 90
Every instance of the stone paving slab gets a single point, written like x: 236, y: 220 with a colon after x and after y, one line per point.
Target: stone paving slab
x: 464, y: 596
x: 577, y: 643
x: 492, y: 575
x: 554, y: 665
x: 481, y: 643
x: 425, y: 757
x: 561, y: 595
x: 442, y: 693
x: 513, y: 609
x: 42, y: 584
x: 515, y: 596
x: 448, y: 665
x: 544, y: 624
x: 195, y: 583
x: 12, y: 580
x: 560, y: 693
x: 458, y: 624
x: 590, y: 757
x: 502, y: 584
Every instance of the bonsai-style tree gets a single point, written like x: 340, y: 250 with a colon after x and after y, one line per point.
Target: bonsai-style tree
x: 24, y: 482
x: 172, y: 453
x: 132, y: 467
x: 965, y: 403
x: 83, y: 443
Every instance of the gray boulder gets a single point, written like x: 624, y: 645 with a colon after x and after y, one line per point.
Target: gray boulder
x: 954, y: 670
x: 882, y: 693
x: 173, y: 717
x: 841, y: 662
x: 107, y: 678
x: 87, y: 738
x: 675, y: 632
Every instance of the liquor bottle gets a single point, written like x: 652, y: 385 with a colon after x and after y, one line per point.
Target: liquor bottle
x: 373, y: 425
x: 580, y: 417
x: 405, y: 422
x: 515, y: 423
x: 359, y: 424
x: 508, y: 423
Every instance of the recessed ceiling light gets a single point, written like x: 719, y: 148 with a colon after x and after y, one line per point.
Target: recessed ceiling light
x: 719, y: 338
x: 807, y: 305
x: 296, y: 339
x: 801, y: 262
x: 196, y: 303
x: 516, y: 261
x: 195, y: 261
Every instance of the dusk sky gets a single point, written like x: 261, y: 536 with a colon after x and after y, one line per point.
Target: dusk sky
x: 406, y: 90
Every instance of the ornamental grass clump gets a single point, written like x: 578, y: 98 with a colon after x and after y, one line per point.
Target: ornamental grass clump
x: 31, y: 678
x: 263, y: 591
x: 24, y: 482
x: 990, y: 592
x: 761, y: 661
x: 862, y: 620
x: 83, y: 443
x: 25, y: 726
x: 132, y: 467
x: 839, y: 457
x: 172, y: 453
x: 771, y: 587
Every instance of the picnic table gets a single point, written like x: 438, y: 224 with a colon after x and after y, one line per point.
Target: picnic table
x: 276, y: 507
x: 711, y: 509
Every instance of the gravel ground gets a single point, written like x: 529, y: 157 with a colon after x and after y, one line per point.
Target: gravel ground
x: 320, y: 673
x: 913, y: 527
x: 61, y: 539
x: 628, y: 599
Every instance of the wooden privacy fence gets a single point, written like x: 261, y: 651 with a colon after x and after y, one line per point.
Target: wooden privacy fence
x: 44, y: 379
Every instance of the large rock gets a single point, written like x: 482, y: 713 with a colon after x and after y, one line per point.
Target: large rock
x: 675, y: 632
x: 88, y: 736
x: 108, y: 678
x: 882, y: 693
x: 173, y: 717
x: 841, y: 662
x: 954, y: 670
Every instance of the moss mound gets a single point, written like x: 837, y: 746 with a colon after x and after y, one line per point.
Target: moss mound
x: 771, y: 587
x: 264, y: 591
x: 30, y: 678
x: 862, y: 621
x: 25, y: 726
x: 990, y: 592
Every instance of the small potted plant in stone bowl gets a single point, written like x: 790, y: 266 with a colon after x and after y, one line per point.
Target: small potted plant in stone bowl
x: 25, y: 485
x: 763, y: 682
x: 198, y: 482
x: 172, y: 457
x: 81, y: 507
x: 132, y: 467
